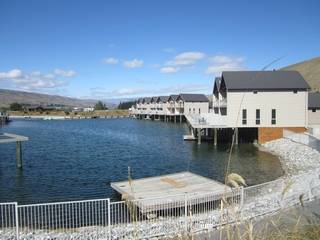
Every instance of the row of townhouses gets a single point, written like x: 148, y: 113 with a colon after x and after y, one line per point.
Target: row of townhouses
x: 173, y: 105
x: 260, y: 104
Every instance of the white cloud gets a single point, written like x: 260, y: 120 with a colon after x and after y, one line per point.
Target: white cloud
x: 64, y: 73
x: 169, y: 69
x: 135, y: 92
x: 221, y: 63
x: 186, y: 58
x: 182, y: 60
x: 135, y: 63
x: 111, y: 61
x: 35, y: 80
x: 14, y: 73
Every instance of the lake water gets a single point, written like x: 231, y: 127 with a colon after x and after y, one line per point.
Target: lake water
x: 78, y: 159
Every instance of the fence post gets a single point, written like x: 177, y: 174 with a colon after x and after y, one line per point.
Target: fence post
x: 17, y: 220
x: 109, y: 219
x: 186, y: 211
x: 241, y: 200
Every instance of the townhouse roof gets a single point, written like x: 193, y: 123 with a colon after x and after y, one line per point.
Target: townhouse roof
x: 216, y: 86
x: 163, y: 99
x: 154, y: 99
x: 173, y: 97
x: 314, y: 100
x: 264, y: 80
x: 189, y: 97
x: 146, y: 100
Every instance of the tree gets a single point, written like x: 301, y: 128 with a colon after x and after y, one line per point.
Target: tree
x: 100, y: 106
x: 15, y: 107
x: 126, y: 105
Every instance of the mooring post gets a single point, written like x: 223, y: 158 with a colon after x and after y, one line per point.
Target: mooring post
x: 199, y: 135
x: 19, y: 154
x: 215, y: 139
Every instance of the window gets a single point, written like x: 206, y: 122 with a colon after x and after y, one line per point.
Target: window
x: 199, y: 111
x: 295, y: 91
x: 194, y: 110
x: 255, y: 92
x: 257, y: 116
x: 244, y: 116
x: 273, y: 116
x: 189, y: 110
x: 314, y: 110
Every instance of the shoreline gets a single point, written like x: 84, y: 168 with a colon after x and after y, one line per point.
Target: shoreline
x: 57, y: 117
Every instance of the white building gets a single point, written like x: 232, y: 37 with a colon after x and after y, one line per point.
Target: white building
x: 170, y: 107
x: 266, y: 101
x: 192, y: 104
x: 314, y: 109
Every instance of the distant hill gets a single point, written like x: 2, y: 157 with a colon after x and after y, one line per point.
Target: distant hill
x: 9, y: 96
x: 310, y: 70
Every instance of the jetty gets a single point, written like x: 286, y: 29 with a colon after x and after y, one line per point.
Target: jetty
x: 4, y: 118
x: 9, y: 138
x: 161, y: 192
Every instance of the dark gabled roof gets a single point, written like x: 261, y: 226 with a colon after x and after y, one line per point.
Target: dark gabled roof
x: 216, y: 84
x: 188, y: 97
x: 264, y: 80
x: 314, y: 100
x: 146, y: 100
x: 154, y: 99
x: 163, y: 99
x: 173, y: 97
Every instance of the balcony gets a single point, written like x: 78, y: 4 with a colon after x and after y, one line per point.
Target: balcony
x: 220, y: 103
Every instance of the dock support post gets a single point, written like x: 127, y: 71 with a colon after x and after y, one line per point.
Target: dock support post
x: 19, y: 154
x: 236, y: 136
x: 199, y: 135
x: 215, y: 137
x: 180, y: 118
x: 175, y: 118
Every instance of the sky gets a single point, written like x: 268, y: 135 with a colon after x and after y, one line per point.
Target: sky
x: 126, y: 49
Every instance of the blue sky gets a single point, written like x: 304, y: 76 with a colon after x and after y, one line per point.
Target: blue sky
x: 118, y: 49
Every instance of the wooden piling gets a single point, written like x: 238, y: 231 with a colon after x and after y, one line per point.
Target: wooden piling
x: 215, y: 139
x: 18, y: 154
x: 236, y: 136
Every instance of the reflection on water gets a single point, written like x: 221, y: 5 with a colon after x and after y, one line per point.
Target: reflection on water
x: 77, y: 159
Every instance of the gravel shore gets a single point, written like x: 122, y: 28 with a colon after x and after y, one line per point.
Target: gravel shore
x: 296, y: 158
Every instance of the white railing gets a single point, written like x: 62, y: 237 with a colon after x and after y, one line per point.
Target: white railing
x: 220, y: 102
x: 8, y: 220
x: 102, y: 219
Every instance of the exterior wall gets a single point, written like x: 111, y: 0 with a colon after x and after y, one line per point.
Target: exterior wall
x: 266, y: 134
x: 314, y: 117
x: 203, y: 106
x: 291, y: 108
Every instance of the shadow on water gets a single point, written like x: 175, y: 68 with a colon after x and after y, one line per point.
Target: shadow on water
x: 78, y: 159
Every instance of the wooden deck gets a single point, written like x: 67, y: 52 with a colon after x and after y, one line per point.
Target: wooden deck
x: 9, y: 137
x: 162, y: 192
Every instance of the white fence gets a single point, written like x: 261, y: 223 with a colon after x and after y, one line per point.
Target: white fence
x: 102, y: 219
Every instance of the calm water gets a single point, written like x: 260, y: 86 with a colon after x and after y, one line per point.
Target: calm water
x: 77, y: 159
